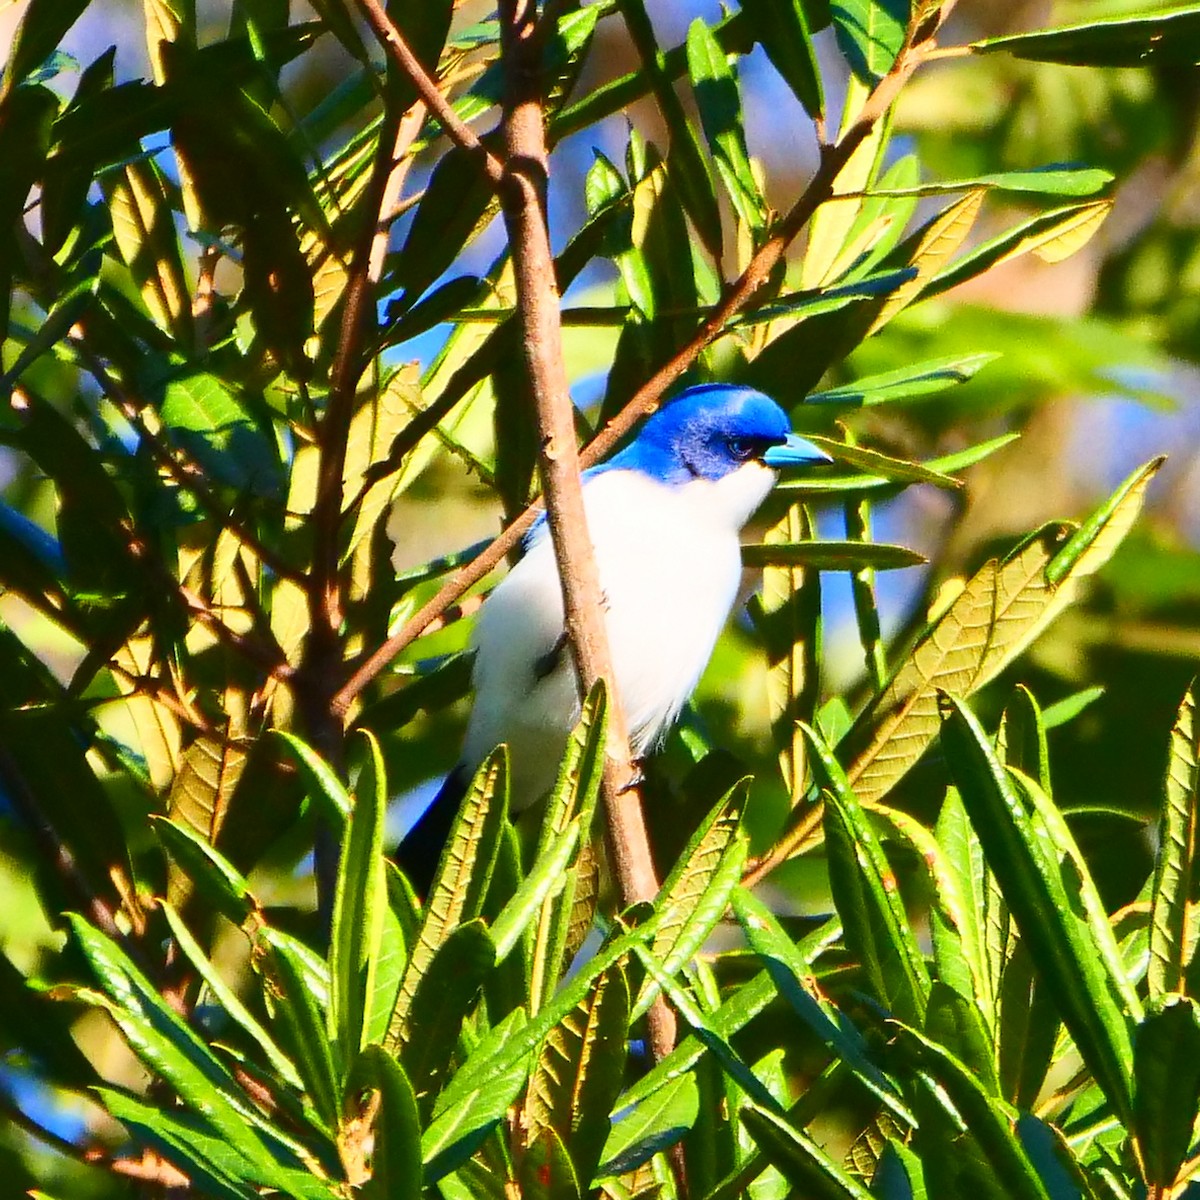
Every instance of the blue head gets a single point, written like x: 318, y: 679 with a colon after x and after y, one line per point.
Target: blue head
x: 708, y: 432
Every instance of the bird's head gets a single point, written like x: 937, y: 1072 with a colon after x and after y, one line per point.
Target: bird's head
x: 712, y: 431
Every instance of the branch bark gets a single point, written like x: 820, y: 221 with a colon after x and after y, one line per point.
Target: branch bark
x: 523, y: 198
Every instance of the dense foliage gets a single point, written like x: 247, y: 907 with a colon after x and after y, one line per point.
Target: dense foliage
x: 928, y: 919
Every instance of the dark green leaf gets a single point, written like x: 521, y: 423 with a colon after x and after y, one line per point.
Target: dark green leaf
x: 1048, y: 918
x: 782, y: 28
x: 1167, y: 37
x: 42, y: 27
x: 806, y: 1166
x: 831, y: 556
x: 1166, y: 1080
x: 870, y: 34
x: 658, y: 1122
x: 396, y: 1158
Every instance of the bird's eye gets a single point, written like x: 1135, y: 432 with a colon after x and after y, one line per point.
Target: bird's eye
x: 743, y: 448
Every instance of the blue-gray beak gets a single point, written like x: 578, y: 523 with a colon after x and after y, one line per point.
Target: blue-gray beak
x: 795, y: 452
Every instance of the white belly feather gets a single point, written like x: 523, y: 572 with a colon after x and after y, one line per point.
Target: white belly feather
x: 669, y: 565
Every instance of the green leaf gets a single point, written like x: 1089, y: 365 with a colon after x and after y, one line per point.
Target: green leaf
x: 831, y: 556
x: 1027, y: 1028
x: 216, y: 880
x: 579, y: 1072
x: 359, y: 904
x: 209, y: 424
x: 441, y: 1001
x: 905, y: 383
x: 874, y: 462
x: 988, y: 1120
x: 461, y: 880
x: 1049, y: 236
x: 1057, y: 180
x: 782, y: 28
x: 685, y: 162
x: 793, y: 976
x: 654, y: 1125
x: 806, y: 1166
x: 947, y: 464
x: 694, y: 896
x: 804, y: 304
x: 43, y: 25
x: 1170, y: 37
x: 999, y: 612
x: 321, y: 779
x: 169, y: 1049
x: 396, y: 1156
x: 204, y: 1157
x: 1166, y: 1078
x: 228, y: 998
x: 300, y: 1021
x: 864, y: 888
x: 1060, y: 941
x: 575, y: 793
x: 715, y: 88
x: 1175, y: 865
x: 144, y: 233
x: 870, y: 34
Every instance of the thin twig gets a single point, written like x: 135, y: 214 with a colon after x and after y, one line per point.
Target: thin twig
x: 737, y: 298
x: 458, y: 131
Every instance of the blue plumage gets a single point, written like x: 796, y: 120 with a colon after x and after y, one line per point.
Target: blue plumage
x: 664, y: 517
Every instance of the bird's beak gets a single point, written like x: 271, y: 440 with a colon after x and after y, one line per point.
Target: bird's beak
x: 795, y: 452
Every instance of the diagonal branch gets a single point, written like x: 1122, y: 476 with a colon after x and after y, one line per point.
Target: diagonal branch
x: 737, y: 298
x: 407, y: 62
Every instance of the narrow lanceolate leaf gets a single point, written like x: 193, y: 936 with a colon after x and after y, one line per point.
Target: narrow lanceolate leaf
x: 906, y: 383
x: 1055, y: 834
x: 806, y: 1166
x: 876, y: 463
x: 358, y: 909
x: 1174, y: 873
x: 936, y: 243
x: 144, y: 232
x: 1166, y: 38
x: 831, y: 556
x: 989, y: 1121
x: 793, y: 977
x: 227, y: 997
x: 203, y: 788
x: 654, y: 1125
x: 572, y: 800
x: 864, y: 887
x: 171, y: 1051
x: 1050, y: 237
x: 323, y: 782
x: 787, y: 616
x: 396, y: 1156
x: 781, y: 27
x: 1031, y: 878
x: 997, y: 614
x: 716, y: 92
x: 1166, y: 1076
x: 444, y: 997
x: 694, y: 897
x: 870, y: 34
x: 579, y: 1072
x: 462, y: 876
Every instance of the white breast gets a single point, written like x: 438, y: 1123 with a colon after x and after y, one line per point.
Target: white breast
x: 669, y: 565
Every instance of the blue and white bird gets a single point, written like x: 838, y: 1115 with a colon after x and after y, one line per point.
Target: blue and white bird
x: 664, y: 516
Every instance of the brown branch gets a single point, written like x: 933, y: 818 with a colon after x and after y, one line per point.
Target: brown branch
x: 398, y: 49
x: 737, y: 298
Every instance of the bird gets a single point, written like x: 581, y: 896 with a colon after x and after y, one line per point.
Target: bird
x: 664, y: 517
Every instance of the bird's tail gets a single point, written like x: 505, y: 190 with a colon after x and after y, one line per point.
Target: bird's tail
x: 418, y: 854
